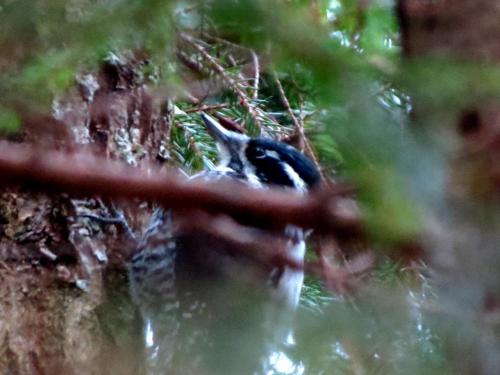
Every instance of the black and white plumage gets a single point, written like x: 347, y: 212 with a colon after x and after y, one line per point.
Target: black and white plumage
x: 190, y: 285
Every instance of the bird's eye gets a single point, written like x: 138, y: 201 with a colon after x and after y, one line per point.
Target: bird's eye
x: 259, y: 153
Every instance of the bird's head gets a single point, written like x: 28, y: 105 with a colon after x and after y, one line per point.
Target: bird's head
x: 270, y: 161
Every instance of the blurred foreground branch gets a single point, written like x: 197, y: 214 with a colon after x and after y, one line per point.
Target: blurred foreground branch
x: 84, y: 174
x: 271, y: 246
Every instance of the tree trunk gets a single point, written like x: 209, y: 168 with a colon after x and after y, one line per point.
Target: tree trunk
x: 64, y: 305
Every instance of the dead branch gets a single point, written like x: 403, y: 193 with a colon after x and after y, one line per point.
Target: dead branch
x: 304, y: 143
x: 266, y: 248
x: 269, y: 249
x: 84, y: 174
x: 299, y: 128
x: 256, y: 78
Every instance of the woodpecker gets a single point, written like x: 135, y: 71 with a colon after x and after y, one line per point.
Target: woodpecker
x: 185, y: 284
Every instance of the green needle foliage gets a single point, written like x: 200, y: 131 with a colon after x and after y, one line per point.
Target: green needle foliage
x: 51, y: 40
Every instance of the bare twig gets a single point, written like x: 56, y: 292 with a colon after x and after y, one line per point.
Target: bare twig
x: 304, y: 143
x: 256, y: 78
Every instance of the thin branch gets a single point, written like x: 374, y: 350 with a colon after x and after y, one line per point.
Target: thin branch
x: 233, y: 85
x: 241, y: 83
x: 256, y: 78
x: 255, y: 60
x: 304, y: 143
x: 299, y: 129
x: 220, y: 40
x: 242, y: 80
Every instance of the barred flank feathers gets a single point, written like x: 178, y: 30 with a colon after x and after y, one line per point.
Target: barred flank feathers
x: 152, y: 286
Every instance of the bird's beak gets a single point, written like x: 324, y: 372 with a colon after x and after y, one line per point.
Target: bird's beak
x: 220, y: 134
